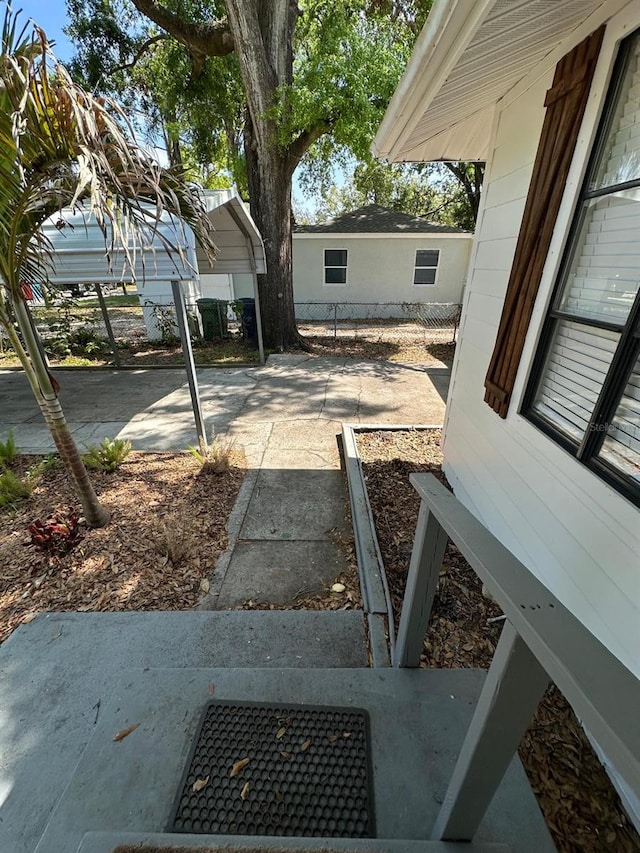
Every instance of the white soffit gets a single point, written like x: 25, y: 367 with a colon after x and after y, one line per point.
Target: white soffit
x: 469, y: 55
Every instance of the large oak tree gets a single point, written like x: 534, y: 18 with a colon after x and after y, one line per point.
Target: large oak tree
x: 314, y: 74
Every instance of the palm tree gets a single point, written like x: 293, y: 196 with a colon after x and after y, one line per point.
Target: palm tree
x: 60, y: 147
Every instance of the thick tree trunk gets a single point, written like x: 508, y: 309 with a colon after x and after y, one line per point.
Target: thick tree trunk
x: 269, y: 181
x: 263, y: 39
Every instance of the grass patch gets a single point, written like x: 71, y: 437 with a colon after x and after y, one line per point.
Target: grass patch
x: 121, y: 301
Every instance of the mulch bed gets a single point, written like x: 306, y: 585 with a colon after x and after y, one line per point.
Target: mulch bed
x: 580, y: 805
x: 167, y: 529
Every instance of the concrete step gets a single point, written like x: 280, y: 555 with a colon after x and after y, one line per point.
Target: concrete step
x: 58, y: 672
x: 418, y: 719
x: 105, y: 842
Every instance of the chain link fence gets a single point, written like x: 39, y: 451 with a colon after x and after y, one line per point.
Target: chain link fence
x: 420, y: 322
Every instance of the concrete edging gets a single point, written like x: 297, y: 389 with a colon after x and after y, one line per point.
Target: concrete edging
x: 376, y: 599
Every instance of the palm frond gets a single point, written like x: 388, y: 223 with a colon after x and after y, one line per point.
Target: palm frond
x: 62, y: 147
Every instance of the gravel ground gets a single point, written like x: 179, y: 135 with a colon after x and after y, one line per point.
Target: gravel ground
x: 579, y: 803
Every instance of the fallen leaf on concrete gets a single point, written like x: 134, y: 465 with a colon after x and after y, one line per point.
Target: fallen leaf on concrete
x: 199, y: 784
x: 338, y: 587
x: 281, y: 732
x: 238, y: 766
x: 305, y: 746
x: 205, y: 586
x: 123, y: 733
x: 29, y: 617
x: 212, y: 688
x: 244, y: 793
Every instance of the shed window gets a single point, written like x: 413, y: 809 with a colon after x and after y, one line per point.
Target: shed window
x: 426, y: 266
x: 585, y: 384
x: 335, y: 266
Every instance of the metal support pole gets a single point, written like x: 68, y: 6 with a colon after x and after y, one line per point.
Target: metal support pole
x: 187, y: 351
x: 107, y: 322
x: 429, y: 545
x: 335, y: 320
x: 256, y: 297
x: 513, y: 688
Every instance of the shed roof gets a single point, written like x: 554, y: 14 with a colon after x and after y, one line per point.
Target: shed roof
x: 375, y: 219
x: 468, y: 56
x: 79, y: 255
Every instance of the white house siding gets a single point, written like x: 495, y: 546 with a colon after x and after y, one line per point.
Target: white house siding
x: 380, y: 268
x: 579, y: 536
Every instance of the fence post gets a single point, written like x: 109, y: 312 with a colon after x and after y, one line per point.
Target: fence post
x: 107, y: 323
x: 335, y: 320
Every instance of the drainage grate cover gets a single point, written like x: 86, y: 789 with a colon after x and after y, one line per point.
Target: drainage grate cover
x: 265, y: 769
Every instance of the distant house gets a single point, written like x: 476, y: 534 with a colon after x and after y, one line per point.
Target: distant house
x: 542, y: 433
x: 377, y: 255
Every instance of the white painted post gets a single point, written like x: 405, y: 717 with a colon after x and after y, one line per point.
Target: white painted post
x: 513, y: 688
x: 427, y: 555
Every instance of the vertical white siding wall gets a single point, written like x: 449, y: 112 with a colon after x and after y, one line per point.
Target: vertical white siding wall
x: 379, y: 268
x: 579, y: 536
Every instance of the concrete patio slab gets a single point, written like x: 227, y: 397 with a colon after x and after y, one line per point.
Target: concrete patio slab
x: 295, y: 504
x: 326, y: 458
x: 278, y: 572
x: 58, y: 672
x: 418, y: 719
x: 103, y: 842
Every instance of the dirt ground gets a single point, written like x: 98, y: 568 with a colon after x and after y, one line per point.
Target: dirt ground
x: 577, y: 799
x: 167, y: 529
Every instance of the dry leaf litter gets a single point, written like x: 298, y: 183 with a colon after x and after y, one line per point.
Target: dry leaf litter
x: 167, y: 529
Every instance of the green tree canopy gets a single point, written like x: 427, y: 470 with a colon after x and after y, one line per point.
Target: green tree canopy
x: 253, y: 89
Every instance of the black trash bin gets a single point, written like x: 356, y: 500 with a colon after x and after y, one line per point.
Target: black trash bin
x: 248, y: 320
x: 214, y: 318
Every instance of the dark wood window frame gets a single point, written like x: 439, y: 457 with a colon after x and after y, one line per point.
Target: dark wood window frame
x: 627, y: 350
x: 565, y: 104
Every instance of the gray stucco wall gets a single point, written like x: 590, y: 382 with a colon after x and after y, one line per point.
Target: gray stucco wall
x: 379, y: 268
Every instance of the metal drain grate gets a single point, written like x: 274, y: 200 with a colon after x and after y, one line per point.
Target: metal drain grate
x: 308, y: 772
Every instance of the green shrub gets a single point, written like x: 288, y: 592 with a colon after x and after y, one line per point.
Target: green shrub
x: 12, y: 489
x: 108, y: 455
x: 8, y: 449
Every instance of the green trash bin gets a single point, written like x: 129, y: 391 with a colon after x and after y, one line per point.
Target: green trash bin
x: 214, y: 318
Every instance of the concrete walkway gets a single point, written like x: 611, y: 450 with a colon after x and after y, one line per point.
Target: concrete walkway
x: 287, y: 416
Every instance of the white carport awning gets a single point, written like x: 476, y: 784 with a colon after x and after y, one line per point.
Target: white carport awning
x: 236, y: 236
x: 468, y: 56
x: 79, y: 255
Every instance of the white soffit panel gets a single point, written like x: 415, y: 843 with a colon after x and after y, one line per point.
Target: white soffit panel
x: 454, y: 118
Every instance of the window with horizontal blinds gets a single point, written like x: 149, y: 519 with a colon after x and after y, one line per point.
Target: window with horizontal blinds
x: 585, y: 383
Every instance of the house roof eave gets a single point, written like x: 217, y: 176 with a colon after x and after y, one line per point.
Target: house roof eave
x: 466, y: 61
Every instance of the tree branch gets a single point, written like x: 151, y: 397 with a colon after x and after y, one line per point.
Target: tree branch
x: 139, y: 53
x: 301, y: 144
x: 212, y: 38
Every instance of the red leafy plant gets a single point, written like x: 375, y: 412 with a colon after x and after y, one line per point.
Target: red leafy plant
x: 57, y: 534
